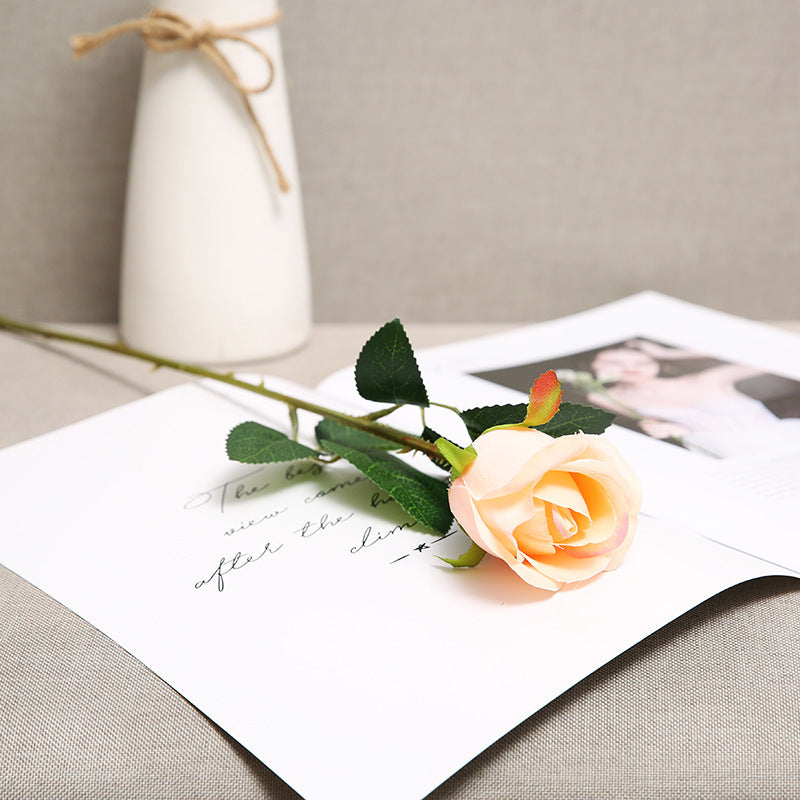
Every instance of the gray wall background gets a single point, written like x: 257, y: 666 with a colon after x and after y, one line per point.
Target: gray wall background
x: 459, y: 160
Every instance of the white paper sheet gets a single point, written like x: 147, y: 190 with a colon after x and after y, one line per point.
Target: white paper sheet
x: 301, y: 612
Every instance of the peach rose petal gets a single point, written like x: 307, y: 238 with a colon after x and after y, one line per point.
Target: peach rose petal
x: 564, y: 567
x: 602, y: 521
x: 535, y: 578
x: 622, y: 550
x: 532, y: 536
x: 504, y: 513
x: 562, y: 523
x: 602, y: 459
x: 499, y: 460
x: 560, y: 489
x: 548, y: 454
x: 608, y: 545
x: 465, y: 511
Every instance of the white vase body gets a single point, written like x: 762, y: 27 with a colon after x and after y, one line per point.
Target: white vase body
x: 214, y: 260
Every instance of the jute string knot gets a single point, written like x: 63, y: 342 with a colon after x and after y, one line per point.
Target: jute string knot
x: 165, y: 32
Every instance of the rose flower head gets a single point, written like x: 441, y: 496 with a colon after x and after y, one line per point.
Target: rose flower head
x: 556, y: 510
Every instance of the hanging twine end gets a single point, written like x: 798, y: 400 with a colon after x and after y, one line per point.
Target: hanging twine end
x: 165, y: 31
x: 81, y: 43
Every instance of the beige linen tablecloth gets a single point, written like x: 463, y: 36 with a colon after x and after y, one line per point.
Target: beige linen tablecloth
x: 708, y: 707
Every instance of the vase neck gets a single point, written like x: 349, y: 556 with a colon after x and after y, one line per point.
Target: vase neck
x: 221, y: 12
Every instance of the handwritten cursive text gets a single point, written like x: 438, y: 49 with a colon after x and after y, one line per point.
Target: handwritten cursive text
x: 238, y: 561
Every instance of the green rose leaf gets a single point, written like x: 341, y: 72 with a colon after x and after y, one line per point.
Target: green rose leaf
x: 386, y: 369
x: 570, y: 418
x: 480, y: 419
x: 576, y: 418
x: 352, y: 437
x: 471, y: 558
x: 423, y: 497
x: 254, y: 443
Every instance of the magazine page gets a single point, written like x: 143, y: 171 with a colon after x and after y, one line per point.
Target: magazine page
x: 707, y: 405
x: 301, y: 610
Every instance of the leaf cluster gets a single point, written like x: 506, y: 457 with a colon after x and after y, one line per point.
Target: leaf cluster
x: 387, y: 372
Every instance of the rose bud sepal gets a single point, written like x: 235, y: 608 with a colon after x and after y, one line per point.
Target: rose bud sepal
x: 459, y: 459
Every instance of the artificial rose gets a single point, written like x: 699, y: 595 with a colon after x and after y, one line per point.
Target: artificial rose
x: 557, y: 511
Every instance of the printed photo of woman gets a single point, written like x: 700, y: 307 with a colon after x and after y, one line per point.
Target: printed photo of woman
x: 713, y: 407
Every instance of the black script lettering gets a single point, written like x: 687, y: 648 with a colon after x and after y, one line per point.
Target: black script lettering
x: 312, y: 528
x: 227, y: 565
x: 371, y: 537
x: 245, y: 491
x: 297, y: 470
x: 378, y: 499
x: 335, y: 488
x: 222, y: 492
x: 250, y: 523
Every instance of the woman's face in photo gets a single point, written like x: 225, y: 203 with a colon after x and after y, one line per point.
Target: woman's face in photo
x: 628, y: 366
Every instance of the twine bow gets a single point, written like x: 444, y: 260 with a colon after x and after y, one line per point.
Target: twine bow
x: 167, y: 32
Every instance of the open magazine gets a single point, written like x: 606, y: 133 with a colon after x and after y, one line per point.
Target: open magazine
x: 307, y: 616
x: 707, y: 405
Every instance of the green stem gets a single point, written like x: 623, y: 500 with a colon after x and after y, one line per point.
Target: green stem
x: 402, y: 438
x: 444, y: 405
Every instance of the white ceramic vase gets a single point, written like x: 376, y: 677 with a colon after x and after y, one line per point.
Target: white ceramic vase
x: 214, y: 260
